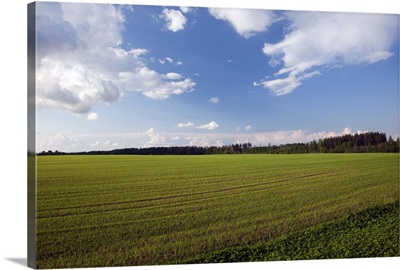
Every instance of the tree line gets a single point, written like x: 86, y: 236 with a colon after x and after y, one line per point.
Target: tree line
x: 369, y: 142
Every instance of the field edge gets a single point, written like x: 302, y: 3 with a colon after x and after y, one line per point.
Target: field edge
x: 373, y: 232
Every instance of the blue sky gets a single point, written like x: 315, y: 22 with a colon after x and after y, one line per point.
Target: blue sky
x: 116, y: 76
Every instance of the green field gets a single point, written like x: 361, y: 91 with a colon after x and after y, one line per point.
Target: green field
x: 139, y: 210
x: 373, y: 232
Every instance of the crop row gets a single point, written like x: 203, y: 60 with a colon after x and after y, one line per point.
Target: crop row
x: 373, y: 232
x: 139, y: 210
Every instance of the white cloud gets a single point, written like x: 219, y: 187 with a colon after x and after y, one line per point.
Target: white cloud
x: 92, y: 116
x: 247, y: 128
x: 96, y: 26
x: 153, y: 85
x: 188, y: 124
x: 89, y: 142
x: 138, y: 52
x: 246, y: 22
x: 50, y: 142
x: 210, y: 126
x: 293, y: 136
x: 80, y: 61
x: 203, y: 140
x: 74, y: 62
x: 346, y: 131
x: 186, y: 9
x: 84, y: 142
x: 101, y: 145
x: 150, y: 138
x: 174, y: 138
x: 169, y: 60
x: 274, y: 62
x: 198, y: 141
x: 156, y: 139
x: 319, y: 41
x: 172, y: 76
x: 286, y: 85
x: 175, y: 21
x: 214, y: 100
x: 282, y: 86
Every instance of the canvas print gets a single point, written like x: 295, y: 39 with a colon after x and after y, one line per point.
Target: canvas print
x: 166, y: 135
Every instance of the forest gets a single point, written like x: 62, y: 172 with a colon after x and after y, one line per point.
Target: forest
x: 369, y: 142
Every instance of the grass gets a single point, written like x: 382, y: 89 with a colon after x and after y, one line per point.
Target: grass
x: 140, y: 210
x: 373, y: 232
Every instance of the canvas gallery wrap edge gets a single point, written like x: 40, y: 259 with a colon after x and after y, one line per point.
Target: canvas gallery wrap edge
x: 163, y: 135
x: 31, y: 109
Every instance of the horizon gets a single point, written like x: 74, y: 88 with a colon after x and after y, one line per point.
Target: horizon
x: 249, y: 144
x: 159, y: 77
